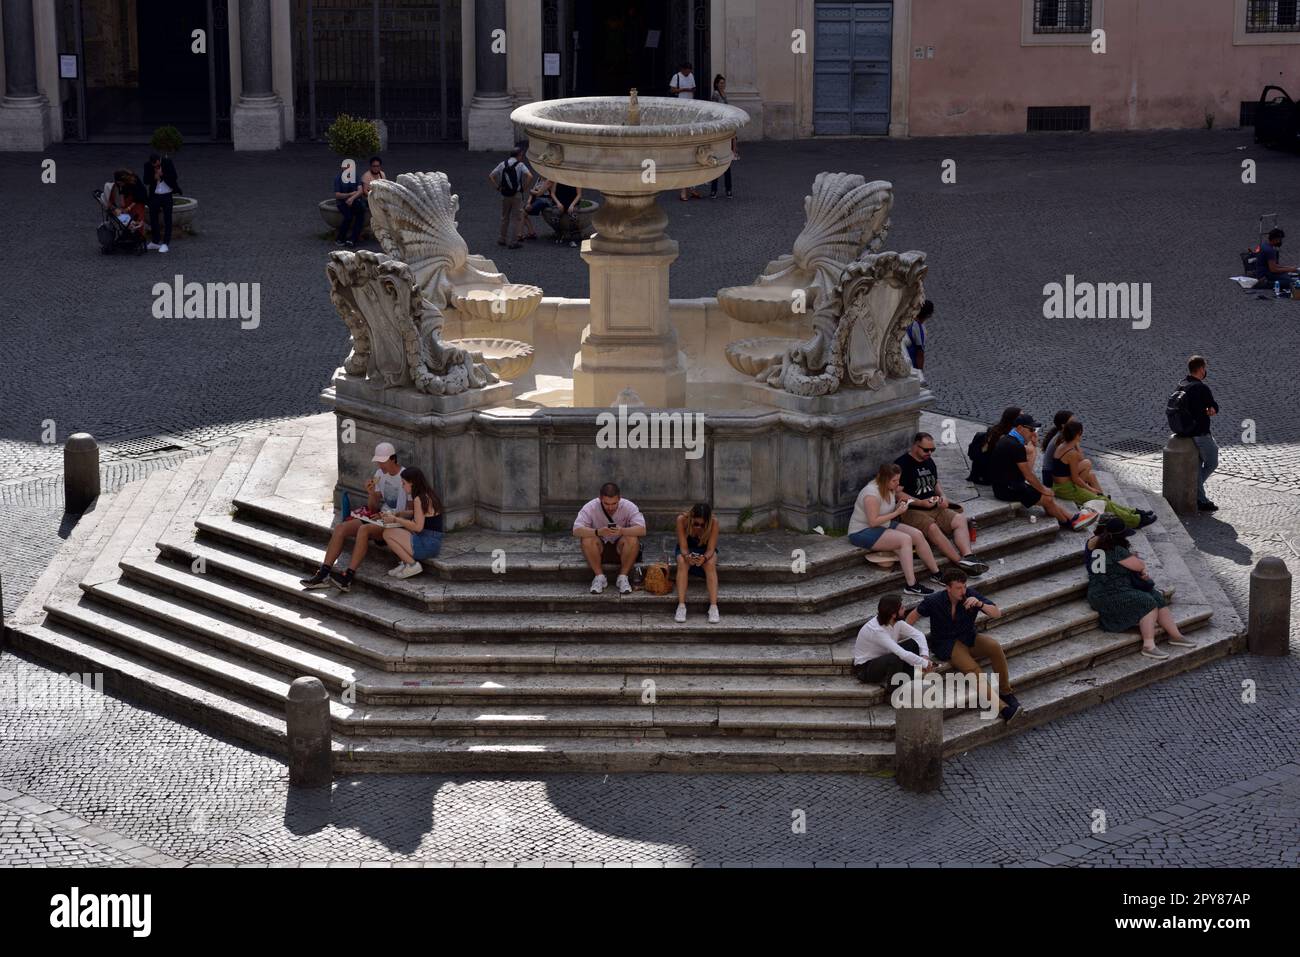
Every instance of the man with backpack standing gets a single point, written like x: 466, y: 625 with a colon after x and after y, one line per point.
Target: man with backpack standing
x: 511, y: 179
x: 1189, y: 411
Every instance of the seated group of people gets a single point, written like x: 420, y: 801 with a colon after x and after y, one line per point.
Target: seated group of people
x: 904, y: 510
x: 1005, y: 457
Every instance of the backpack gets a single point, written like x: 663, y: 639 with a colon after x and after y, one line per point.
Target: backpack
x: 509, y: 185
x: 979, y: 460
x: 1181, y: 420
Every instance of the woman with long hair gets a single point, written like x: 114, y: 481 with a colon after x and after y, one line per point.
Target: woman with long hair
x: 420, y: 536
x: 875, y: 527
x: 697, y: 554
x: 1049, y: 443
x: 720, y: 96
x: 1073, y: 479
x: 980, y: 451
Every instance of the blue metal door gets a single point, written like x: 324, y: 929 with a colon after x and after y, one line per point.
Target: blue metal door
x: 851, y: 68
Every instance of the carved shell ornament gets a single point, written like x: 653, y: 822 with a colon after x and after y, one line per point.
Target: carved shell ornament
x: 396, y: 332
x: 414, y: 220
x: 858, y: 330
x: 846, y: 216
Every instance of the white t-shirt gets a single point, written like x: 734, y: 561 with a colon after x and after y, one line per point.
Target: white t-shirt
x: 161, y: 188
x: 876, y: 641
x: 390, y: 490
x: 859, y: 520
x: 685, y: 86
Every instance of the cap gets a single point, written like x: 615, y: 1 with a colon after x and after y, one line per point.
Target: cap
x: 1026, y: 420
x: 384, y: 451
x: 1114, y: 525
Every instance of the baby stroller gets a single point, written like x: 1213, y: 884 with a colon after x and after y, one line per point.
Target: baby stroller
x: 114, y: 234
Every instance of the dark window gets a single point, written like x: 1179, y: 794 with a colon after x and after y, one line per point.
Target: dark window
x: 1272, y: 16
x: 1062, y: 16
x: 1248, y: 108
x: 1050, y: 119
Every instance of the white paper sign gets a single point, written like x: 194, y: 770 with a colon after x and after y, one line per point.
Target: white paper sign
x: 652, y: 40
x: 68, y: 66
x: 550, y: 64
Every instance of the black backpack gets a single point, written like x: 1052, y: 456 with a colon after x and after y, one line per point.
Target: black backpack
x: 979, y: 460
x: 509, y: 185
x: 1181, y: 420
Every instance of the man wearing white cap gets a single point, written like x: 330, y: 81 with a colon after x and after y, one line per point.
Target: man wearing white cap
x: 385, y: 494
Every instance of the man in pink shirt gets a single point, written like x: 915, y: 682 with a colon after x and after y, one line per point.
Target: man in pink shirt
x: 610, y: 529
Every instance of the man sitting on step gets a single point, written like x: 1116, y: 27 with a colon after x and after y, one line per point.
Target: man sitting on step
x: 888, y: 646
x: 385, y: 494
x: 610, y: 528
x: 952, y: 613
x: 930, y: 511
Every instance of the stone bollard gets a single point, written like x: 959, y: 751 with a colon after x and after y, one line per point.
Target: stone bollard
x: 1181, y: 474
x: 80, y: 472
x: 307, y: 723
x: 918, y: 739
x: 1269, y: 625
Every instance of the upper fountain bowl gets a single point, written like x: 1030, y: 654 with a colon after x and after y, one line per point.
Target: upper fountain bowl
x: 591, y: 141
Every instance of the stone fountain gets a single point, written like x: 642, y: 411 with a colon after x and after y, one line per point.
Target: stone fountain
x: 797, y: 384
x: 630, y: 150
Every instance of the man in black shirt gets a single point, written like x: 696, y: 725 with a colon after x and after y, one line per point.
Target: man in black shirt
x: 930, y: 511
x: 952, y: 613
x: 1015, y: 481
x: 1199, y: 402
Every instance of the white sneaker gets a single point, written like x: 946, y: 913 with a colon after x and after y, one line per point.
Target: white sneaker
x: 714, y: 617
x: 396, y: 569
x: 151, y: 246
x: 598, y: 584
x: 162, y: 248
x: 624, y: 586
x: 410, y: 571
x: 681, y: 614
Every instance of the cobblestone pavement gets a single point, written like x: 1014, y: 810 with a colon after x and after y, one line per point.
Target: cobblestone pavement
x: 1025, y: 211
x: 1184, y: 772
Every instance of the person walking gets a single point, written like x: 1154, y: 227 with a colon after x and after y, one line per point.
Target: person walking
x: 1189, y: 412
x: 511, y: 178
x: 162, y: 186
x: 720, y: 96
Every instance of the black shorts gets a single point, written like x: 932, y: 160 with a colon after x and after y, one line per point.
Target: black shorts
x: 609, y: 553
x: 1021, y: 492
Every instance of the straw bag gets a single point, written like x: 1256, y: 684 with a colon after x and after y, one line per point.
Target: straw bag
x: 656, y: 580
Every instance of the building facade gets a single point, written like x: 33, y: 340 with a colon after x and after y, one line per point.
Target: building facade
x: 262, y: 72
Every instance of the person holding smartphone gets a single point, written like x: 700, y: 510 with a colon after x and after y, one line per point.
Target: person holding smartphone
x: 930, y: 511
x: 875, y: 527
x: 610, y: 529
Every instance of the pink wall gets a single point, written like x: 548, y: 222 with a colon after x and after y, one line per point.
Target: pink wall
x: 1167, y: 63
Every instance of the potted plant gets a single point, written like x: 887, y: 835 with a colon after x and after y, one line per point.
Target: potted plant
x: 165, y: 141
x: 355, y: 139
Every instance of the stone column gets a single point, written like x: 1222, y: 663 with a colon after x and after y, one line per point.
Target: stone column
x: 24, y: 111
x: 490, y: 127
x: 1180, y: 470
x: 1269, y: 625
x: 741, y: 66
x: 257, y: 120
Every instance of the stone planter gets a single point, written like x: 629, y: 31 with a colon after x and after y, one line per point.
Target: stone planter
x: 330, y: 213
x: 586, y: 210
x: 184, y: 209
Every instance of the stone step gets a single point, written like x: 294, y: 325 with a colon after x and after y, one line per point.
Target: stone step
x: 1015, y: 549
x: 468, y: 555
x: 380, y: 754
x: 233, y: 583
x: 1076, y: 690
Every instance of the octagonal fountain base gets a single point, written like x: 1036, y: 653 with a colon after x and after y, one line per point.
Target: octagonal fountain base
x: 519, y: 468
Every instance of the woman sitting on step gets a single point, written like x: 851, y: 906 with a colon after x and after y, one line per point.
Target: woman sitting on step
x: 697, y: 554
x: 875, y: 527
x: 1073, y: 479
x: 420, y: 536
x: 1121, y: 591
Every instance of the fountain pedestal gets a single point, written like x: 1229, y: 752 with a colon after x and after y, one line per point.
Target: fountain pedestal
x: 630, y: 343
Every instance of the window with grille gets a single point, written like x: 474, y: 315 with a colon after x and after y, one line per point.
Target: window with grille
x: 1272, y: 16
x: 1057, y: 119
x: 1063, y: 16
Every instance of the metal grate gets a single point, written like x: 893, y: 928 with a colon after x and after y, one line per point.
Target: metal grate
x: 1135, y: 447
x: 1272, y: 16
x: 1062, y: 16
x: 1047, y: 119
x: 137, y: 448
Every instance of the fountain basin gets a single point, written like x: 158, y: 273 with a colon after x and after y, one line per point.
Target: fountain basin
x: 510, y: 302
x: 507, y: 358
x: 749, y: 357
x: 586, y: 141
x: 769, y: 303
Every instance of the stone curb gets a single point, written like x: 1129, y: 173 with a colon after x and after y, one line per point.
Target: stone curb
x: 127, y: 850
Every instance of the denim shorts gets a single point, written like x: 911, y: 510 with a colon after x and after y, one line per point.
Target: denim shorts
x: 427, y: 544
x: 867, y: 537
